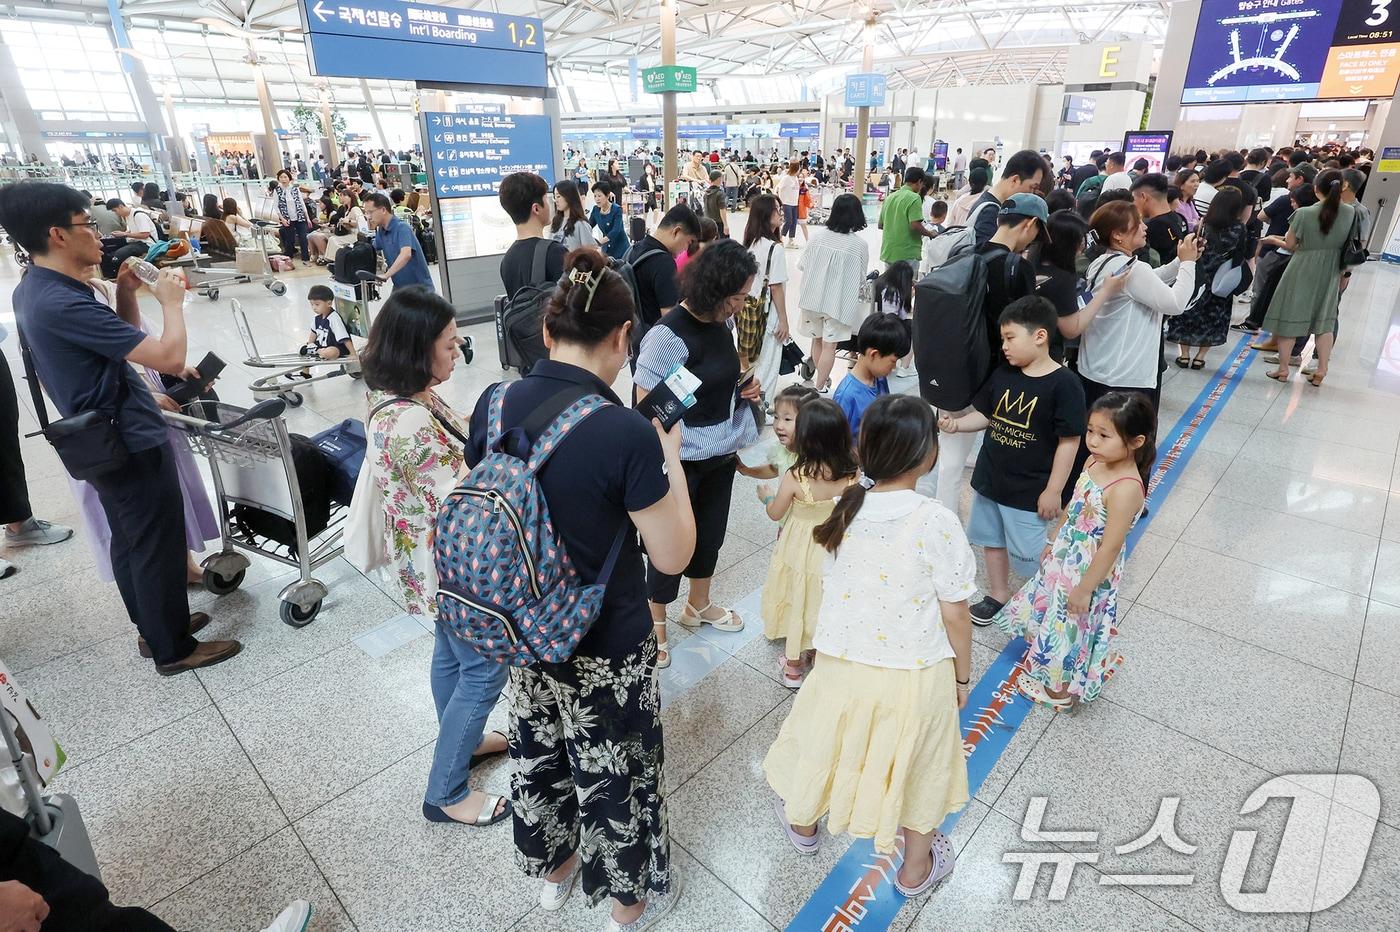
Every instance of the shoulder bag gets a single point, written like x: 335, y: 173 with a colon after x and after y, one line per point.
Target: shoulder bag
x: 89, y: 443
x: 1353, y: 252
x: 752, y: 319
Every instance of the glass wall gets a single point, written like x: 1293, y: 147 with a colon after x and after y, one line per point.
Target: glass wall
x: 69, y: 72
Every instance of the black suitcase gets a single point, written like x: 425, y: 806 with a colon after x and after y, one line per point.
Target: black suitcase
x: 356, y: 257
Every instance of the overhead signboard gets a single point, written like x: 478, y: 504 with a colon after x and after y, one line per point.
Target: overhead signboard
x: 865, y: 90
x: 877, y: 131
x: 1389, y: 160
x: 469, y: 153
x: 646, y: 132
x: 419, y: 42
x: 669, y: 79
x: 1078, y: 110
x: 1152, y: 146
x: 1249, y: 50
x: 799, y: 130
x: 701, y: 131
x: 497, y: 109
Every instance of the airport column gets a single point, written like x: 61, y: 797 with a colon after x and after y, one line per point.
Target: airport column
x: 867, y: 62
x: 374, y: 115
x: 23, y: 126
x: 1171, y: 73
x: 269, y: 151
x: 328, y: 145
x: 670, y: 145
x: 1383, y: 187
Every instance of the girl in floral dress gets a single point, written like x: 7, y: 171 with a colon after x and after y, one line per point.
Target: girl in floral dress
x: 1069, y: 610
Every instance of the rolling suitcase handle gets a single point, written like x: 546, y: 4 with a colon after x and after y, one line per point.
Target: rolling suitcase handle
x: 28, y: 779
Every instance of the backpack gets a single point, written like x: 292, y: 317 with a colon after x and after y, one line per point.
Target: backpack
x: 506, y: 585
x: 521, y: 322
x: 312, y: 474
x: 951, y: 353
x: 356, y: 257
x: 938, y: 249
x: 1087, y: 198
x: 344, y: 447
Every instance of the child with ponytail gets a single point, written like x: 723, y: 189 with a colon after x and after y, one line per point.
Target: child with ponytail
x: 872, y: 741
x: 1069, y: 610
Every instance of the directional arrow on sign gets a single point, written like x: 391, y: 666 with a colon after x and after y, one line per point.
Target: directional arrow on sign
x: 320, y: 10
x: 442, y: 173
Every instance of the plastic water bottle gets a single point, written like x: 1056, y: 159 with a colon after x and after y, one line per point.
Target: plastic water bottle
x: 148, y: 273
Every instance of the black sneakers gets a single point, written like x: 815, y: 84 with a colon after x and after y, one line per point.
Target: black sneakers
x: 1245, y: 326
x: 983, y: 612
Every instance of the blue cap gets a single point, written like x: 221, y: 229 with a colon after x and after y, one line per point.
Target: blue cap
x: 1028, y: 205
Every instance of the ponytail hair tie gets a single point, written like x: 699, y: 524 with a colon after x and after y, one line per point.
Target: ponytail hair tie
x: 866, y: 482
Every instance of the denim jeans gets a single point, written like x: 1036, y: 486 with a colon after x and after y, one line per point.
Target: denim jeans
x: 465, y: 687
x: 789, y: 220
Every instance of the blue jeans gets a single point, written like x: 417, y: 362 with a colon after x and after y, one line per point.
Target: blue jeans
x: 465, y: 687
x: 789, y: 220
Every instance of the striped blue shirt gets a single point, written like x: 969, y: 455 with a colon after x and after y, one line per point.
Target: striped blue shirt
x: 661, y: 352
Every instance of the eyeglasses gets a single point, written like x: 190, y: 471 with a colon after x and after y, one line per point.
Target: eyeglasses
x: 90, y: 224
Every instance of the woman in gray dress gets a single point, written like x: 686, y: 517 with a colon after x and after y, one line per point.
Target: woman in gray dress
x: 1306, y: 300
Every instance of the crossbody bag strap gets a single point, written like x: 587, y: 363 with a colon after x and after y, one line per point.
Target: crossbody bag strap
x: 41, y: 411
x: 431, y: 413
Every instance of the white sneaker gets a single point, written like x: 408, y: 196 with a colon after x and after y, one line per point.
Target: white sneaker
x: 656, y: 909
x: 553, y: 896
x: 292, y: 919
x: 38, y: 532
x: 7, y: 569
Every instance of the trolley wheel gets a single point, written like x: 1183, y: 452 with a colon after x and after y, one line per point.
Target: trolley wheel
x: 295, y: 616
x: 213, y: 294
x: 293, y: 399
x: 223, y: 585
x: 277, y: 288
x: 805, y: 369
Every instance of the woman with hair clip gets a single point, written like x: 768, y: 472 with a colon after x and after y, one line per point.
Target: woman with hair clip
x: 1307, y: 295
x: 695, y: 335
x: 585, y: 734
x: 569, y: 227
x: 873, y: 741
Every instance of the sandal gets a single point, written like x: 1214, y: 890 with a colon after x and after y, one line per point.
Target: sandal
x: 482, y: 758
x: 944, y: 859
x: 663, y: 649
x: 487, y: 816
x: 792, y: 674
x: 1198, y: 364
x: 1183, y: 362
x: 1034, y: 690
x: 805, y: 844
x: 692, y: 617
x: 1278, y: 376
x: 1316, y: 380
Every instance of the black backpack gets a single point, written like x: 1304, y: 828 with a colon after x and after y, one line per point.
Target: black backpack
x: 356, y: 257
x: 521, y: 322
x: 951, y: 353
x: 313, y: 482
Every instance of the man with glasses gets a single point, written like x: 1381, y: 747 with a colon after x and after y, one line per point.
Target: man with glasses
x: 80, y: 351
x: 403, y: 254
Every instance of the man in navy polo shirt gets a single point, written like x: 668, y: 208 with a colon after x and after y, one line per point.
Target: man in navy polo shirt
x: 396, y: 239
x: 81, y: 351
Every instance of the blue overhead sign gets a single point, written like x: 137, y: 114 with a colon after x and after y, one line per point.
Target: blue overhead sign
x: 469, y: 153
x: 799, y: 130
x: 877, y: 130
x: 418, y: 42
x: 646, y: 132
x: 865, y: 90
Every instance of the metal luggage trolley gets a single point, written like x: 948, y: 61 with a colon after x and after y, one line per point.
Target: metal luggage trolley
x: 250, y: 459
x: 822, y: 197
x: 351, y: 303
x: 211, y: 280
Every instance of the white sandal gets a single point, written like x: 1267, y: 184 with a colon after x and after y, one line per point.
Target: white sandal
x: 726, y: 622
x: 663, y: 646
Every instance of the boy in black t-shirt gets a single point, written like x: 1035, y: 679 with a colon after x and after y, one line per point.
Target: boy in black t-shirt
x: 328, y: 338
x: 1033, y: 412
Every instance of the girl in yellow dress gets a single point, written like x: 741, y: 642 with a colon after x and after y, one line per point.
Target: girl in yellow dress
x: 872, y: 741
x: 825, y: 466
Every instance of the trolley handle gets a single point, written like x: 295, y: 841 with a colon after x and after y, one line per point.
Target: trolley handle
x: 262, y: 411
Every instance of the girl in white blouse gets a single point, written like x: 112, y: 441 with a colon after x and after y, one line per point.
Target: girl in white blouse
x: 872, y: 741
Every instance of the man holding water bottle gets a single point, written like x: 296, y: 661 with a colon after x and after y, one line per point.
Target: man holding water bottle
x: 81, y: 351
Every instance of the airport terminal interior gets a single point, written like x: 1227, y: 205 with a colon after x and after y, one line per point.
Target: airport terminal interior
x: 1159, y: 694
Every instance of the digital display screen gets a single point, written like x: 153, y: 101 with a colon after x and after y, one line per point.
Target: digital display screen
x: 1151, y: 146
x: 1272, y: 50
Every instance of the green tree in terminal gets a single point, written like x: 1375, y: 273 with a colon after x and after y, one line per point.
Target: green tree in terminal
x: 308, y: 121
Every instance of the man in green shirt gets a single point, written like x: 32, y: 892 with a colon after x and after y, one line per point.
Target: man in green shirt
x: 902, y: 222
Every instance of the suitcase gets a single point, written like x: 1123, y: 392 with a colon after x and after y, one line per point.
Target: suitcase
x: 344, y: 446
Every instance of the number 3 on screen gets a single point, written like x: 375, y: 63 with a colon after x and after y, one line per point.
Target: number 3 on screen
x: 1380, y: 12
x: 528, y: 39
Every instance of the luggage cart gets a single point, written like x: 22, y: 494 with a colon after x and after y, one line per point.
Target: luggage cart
x: 208, y: 281
x: 280, y: 383
x: 250, y: 459
x: 822, y: 197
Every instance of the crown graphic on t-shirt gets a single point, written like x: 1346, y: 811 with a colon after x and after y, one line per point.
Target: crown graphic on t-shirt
x: 1016, y: 413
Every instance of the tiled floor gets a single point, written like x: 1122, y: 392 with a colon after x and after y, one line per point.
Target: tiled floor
x: 1262, y: 618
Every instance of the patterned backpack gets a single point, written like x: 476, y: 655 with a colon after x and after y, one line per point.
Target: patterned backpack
x: 505, y: 583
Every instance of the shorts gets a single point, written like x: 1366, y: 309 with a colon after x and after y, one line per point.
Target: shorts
x: 819, y: 326
x: 1020, y: 533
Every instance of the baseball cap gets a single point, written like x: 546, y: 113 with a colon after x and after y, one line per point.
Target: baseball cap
x: 1305, y: 171
x: 1028, y: 205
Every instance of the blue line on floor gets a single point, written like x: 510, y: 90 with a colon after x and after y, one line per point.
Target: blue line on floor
x: 859, y: 894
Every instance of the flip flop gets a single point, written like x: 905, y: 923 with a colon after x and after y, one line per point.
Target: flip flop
x: 482, y: 758
x: 944, y: 859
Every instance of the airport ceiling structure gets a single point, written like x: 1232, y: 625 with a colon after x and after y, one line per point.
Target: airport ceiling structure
x: 747, y: 51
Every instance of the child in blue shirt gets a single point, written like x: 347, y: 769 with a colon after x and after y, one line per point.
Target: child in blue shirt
x: 882, y: 340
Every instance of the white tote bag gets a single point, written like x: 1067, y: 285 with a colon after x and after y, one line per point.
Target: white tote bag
x: 365, y: 546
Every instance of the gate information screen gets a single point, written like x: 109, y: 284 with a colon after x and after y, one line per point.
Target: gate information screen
x: 1270, y: 50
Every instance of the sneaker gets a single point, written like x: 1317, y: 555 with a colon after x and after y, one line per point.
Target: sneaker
x: 553, y: 896
x: 38, y: 532
x: 656, y: 909
x: 205, y: 654
x: 292, y: 919
x: 7, y: 569
x: 986, y: 610
x: 1245, y: 326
